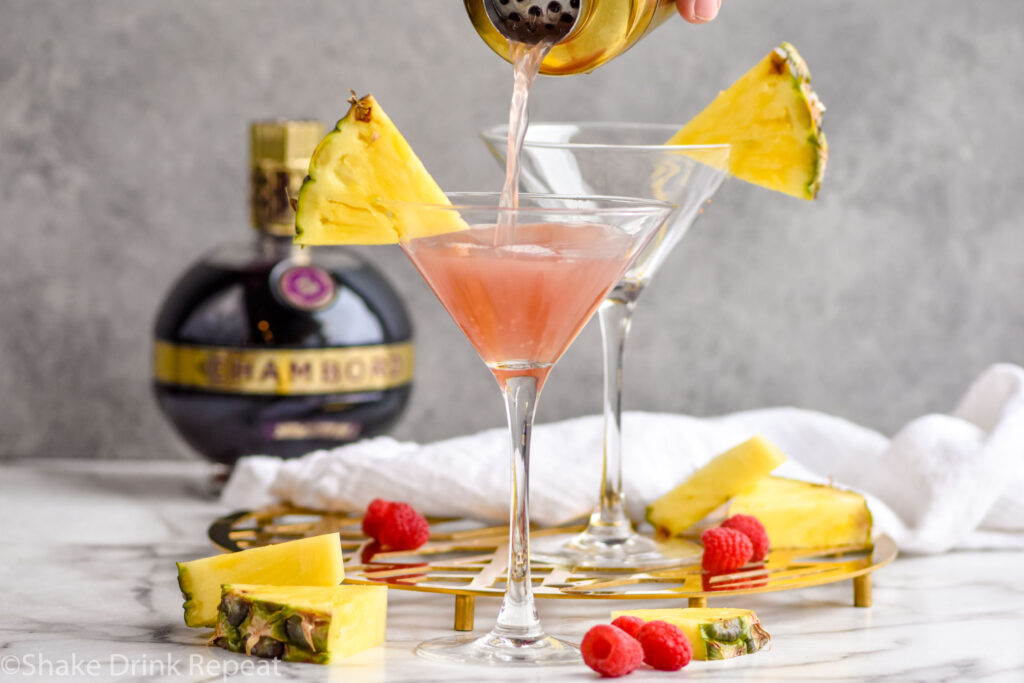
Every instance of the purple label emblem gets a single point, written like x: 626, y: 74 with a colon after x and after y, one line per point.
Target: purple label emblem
x: 306, y: 287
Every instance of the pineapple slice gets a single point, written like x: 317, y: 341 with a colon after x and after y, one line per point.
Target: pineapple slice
x: 314, y: 561
x: 799, y: 515
x: 363, y: 161
x: 301, y: 623
x: 728, y: 474
x: 713, y: 632
x: 772, y: 120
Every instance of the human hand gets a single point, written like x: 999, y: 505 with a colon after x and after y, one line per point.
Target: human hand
x: 698, y: 11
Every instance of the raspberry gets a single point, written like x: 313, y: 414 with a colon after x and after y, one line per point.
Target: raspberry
x: 725, y: 549
x: 754, y: 530
x: 403, y: 528
x: 610, y: 651
x: 630, y: 625
x: 376, y: 511
x: 665, y: 646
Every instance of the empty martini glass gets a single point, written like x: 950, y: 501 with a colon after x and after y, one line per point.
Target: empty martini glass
x: 623, y: 159
x: 521, y: 283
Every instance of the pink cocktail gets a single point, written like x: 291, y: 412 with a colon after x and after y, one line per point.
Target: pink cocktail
x: 522, y: 304
x: 521, y: 295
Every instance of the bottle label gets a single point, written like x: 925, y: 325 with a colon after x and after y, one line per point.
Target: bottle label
x: 298, y: 430
x: 284, y: 372
x: 306, y: 288
x: 272, y: 186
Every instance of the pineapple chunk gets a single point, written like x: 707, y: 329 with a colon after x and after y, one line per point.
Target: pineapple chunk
x: 772, y: 120
x: 713, y: 632
x: 301, y: 623
x: 798, y: 515
x: 728, y: 474
x: 314, y: 561
x: 355, y: 169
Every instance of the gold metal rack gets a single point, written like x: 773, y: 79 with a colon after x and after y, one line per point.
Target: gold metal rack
x: 466, y: 559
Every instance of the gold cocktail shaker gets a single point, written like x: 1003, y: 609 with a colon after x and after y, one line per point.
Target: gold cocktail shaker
x: 600, y: 29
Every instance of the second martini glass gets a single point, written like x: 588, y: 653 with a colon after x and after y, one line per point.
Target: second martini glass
x: 624, y: 159
x: 521, y: 283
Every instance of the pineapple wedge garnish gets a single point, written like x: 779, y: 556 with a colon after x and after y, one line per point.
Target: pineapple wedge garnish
x: 301, y: 623
x: 726, y: 475
x: 713, y: 632
x: 354, y: 172
x: 314, y: 561
x: 772, y: 121
x: 801, y: 515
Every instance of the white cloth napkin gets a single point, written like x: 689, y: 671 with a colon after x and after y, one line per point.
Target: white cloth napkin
x: 943, y: 482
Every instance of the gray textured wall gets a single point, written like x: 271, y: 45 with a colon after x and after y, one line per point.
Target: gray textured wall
x: 122, y: 157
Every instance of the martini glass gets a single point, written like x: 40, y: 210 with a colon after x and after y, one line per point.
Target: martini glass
x: 521, y: 283
x: 628, y: 159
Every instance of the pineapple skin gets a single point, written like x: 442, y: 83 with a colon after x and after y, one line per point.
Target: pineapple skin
x: 311, y: 561
x: 261, y: 621
x: 722, y: 122
x: 730, y: 473
x: 282, y: 636
x: 816, y: 137
x: 363, y: 160
x: 799, y: 515
x: 714, y: 632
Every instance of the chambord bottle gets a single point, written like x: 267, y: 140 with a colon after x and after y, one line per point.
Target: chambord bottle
x: 265, y: 348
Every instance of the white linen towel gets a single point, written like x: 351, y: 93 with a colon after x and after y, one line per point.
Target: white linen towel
x: 943, y: 482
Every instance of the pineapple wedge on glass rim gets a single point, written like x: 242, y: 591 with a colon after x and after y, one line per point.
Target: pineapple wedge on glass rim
x: 771, y: 118
x: 357, y: 170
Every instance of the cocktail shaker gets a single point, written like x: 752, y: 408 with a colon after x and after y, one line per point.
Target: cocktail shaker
x: 595, y: 31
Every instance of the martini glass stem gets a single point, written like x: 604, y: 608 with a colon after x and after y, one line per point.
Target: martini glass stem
x: 518, y: 616
x: 609, y: 522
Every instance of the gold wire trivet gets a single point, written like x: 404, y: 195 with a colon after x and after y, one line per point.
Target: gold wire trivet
x: 466, y: 559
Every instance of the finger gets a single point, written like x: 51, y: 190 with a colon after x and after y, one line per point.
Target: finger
x: 698, y: 11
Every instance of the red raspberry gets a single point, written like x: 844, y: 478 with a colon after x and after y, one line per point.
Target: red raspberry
x: 725, y: 549
x: 610, y: 651
x: 403, y: 528
x: 376, y: 511
x: 754, y: 530
x: 665, y: 646
x: 630, y: 625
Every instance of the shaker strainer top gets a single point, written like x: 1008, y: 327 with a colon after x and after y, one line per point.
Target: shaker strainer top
x: 534, y: 21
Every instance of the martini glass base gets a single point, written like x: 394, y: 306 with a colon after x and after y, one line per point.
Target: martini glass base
x: 497, y: 650
x: 632, y: 552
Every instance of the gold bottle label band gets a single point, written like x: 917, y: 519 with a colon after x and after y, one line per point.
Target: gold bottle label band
x: 284, y: 372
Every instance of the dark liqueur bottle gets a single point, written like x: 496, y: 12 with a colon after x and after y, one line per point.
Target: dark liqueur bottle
x: 265, y: 347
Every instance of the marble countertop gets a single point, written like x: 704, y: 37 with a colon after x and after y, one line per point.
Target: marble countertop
x: 87, y: 575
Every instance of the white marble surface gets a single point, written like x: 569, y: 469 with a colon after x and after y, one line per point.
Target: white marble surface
x: 87, y: 580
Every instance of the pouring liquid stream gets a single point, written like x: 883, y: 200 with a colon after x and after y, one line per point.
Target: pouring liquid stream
x: 526, y: 61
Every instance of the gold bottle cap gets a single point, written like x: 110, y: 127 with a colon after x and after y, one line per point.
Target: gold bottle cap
x: 279, y: 153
